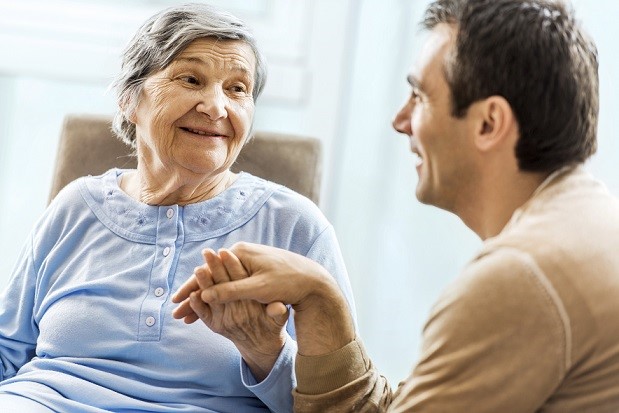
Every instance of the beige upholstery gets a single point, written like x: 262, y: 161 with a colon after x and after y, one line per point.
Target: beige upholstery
x: 88, y: 147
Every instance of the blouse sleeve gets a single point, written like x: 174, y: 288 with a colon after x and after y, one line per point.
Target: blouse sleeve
x: 276, y: 389
x: 326, y: 251
x: 18, y: 328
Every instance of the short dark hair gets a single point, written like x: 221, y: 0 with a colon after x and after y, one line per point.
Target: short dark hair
x: 535, y: 54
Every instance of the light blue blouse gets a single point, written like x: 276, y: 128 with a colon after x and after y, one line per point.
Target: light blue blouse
x: 86, y: 323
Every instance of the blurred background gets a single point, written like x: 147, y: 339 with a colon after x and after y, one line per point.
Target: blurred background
x: 337, y: 72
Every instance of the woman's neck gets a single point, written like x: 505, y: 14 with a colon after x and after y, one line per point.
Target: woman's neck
x: 170, y: 188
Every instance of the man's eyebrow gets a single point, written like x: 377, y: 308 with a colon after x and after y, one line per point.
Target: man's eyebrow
x: 414, y: 82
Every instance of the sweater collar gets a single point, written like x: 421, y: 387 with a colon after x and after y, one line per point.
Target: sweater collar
x: 546, y: 188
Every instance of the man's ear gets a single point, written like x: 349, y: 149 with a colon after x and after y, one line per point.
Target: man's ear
x: 496, y: 124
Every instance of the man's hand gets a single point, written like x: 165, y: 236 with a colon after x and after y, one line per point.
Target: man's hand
x: 258, y: 337
x: 322, y: 317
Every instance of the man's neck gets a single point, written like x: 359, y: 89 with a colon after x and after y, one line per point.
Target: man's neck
x: 497, y: 200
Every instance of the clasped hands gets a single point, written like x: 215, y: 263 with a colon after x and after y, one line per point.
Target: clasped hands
x: 240, y: 293
x: 256, y: 329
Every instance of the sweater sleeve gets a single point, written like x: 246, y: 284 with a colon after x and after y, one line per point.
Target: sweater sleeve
x: 18, y: 328
x: 497, y: 341
x: 342, y: 381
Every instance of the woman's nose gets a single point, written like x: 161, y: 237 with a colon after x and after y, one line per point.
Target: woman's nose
x: 213, y: 104
x: 402, y: 120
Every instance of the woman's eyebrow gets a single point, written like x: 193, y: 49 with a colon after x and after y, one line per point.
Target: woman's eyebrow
x: 236, y: 67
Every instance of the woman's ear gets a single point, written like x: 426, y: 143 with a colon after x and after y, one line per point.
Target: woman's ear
x: 496, y: 124
x: 127, y: 109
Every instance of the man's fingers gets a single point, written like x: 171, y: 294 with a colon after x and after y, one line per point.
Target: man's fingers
x: 204, y: 276
x: 183, y: 292
x: 246, y: 289
x: 233, y: 265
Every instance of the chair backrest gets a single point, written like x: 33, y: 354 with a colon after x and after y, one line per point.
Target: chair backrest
x: 88, y: 147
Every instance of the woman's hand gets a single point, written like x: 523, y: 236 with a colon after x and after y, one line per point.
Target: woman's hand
x: 259, y: 336
x: 322, y: 318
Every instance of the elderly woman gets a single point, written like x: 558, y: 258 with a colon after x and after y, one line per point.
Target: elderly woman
x: 86, y: 321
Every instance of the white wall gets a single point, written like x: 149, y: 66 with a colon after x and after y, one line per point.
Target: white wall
x: 338, y: 72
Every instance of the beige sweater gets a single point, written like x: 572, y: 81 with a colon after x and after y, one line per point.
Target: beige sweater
x: 531, y: 325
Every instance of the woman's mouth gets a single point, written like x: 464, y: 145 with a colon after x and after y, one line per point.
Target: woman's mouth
x: 203, y: 132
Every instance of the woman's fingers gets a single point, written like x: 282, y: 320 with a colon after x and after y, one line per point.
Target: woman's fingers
x: 216, y: 267
x: 187, y: 288
x: 204, y: 276
x: 200, y: 308
x: 183, y: 310
x: 278, y: 312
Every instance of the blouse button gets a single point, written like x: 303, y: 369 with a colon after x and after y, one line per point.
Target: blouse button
x: 150, y: 321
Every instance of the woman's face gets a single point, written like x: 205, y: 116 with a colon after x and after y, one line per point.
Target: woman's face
x: 194, y: 116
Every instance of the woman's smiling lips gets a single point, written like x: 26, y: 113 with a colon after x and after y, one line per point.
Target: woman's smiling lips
x: 205, y: 132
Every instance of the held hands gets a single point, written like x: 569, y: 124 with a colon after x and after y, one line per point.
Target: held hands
x: 255, y: 329
x: 322, y: 316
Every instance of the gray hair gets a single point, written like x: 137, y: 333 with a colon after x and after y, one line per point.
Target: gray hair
x: 157, y: 43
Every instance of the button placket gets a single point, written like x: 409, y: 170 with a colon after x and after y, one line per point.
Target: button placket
x: 165, y: 245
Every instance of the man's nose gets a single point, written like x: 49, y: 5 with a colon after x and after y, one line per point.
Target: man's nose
x: 402, y: 120
x: 213, y: 103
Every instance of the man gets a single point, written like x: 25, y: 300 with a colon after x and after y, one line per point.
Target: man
x: 502, y: 114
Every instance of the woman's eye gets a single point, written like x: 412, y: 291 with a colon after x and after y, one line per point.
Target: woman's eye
x: 238, y: 89
x: 192, y: 80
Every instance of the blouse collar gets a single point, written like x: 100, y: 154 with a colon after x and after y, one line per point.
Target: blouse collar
x: 138, y: 221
